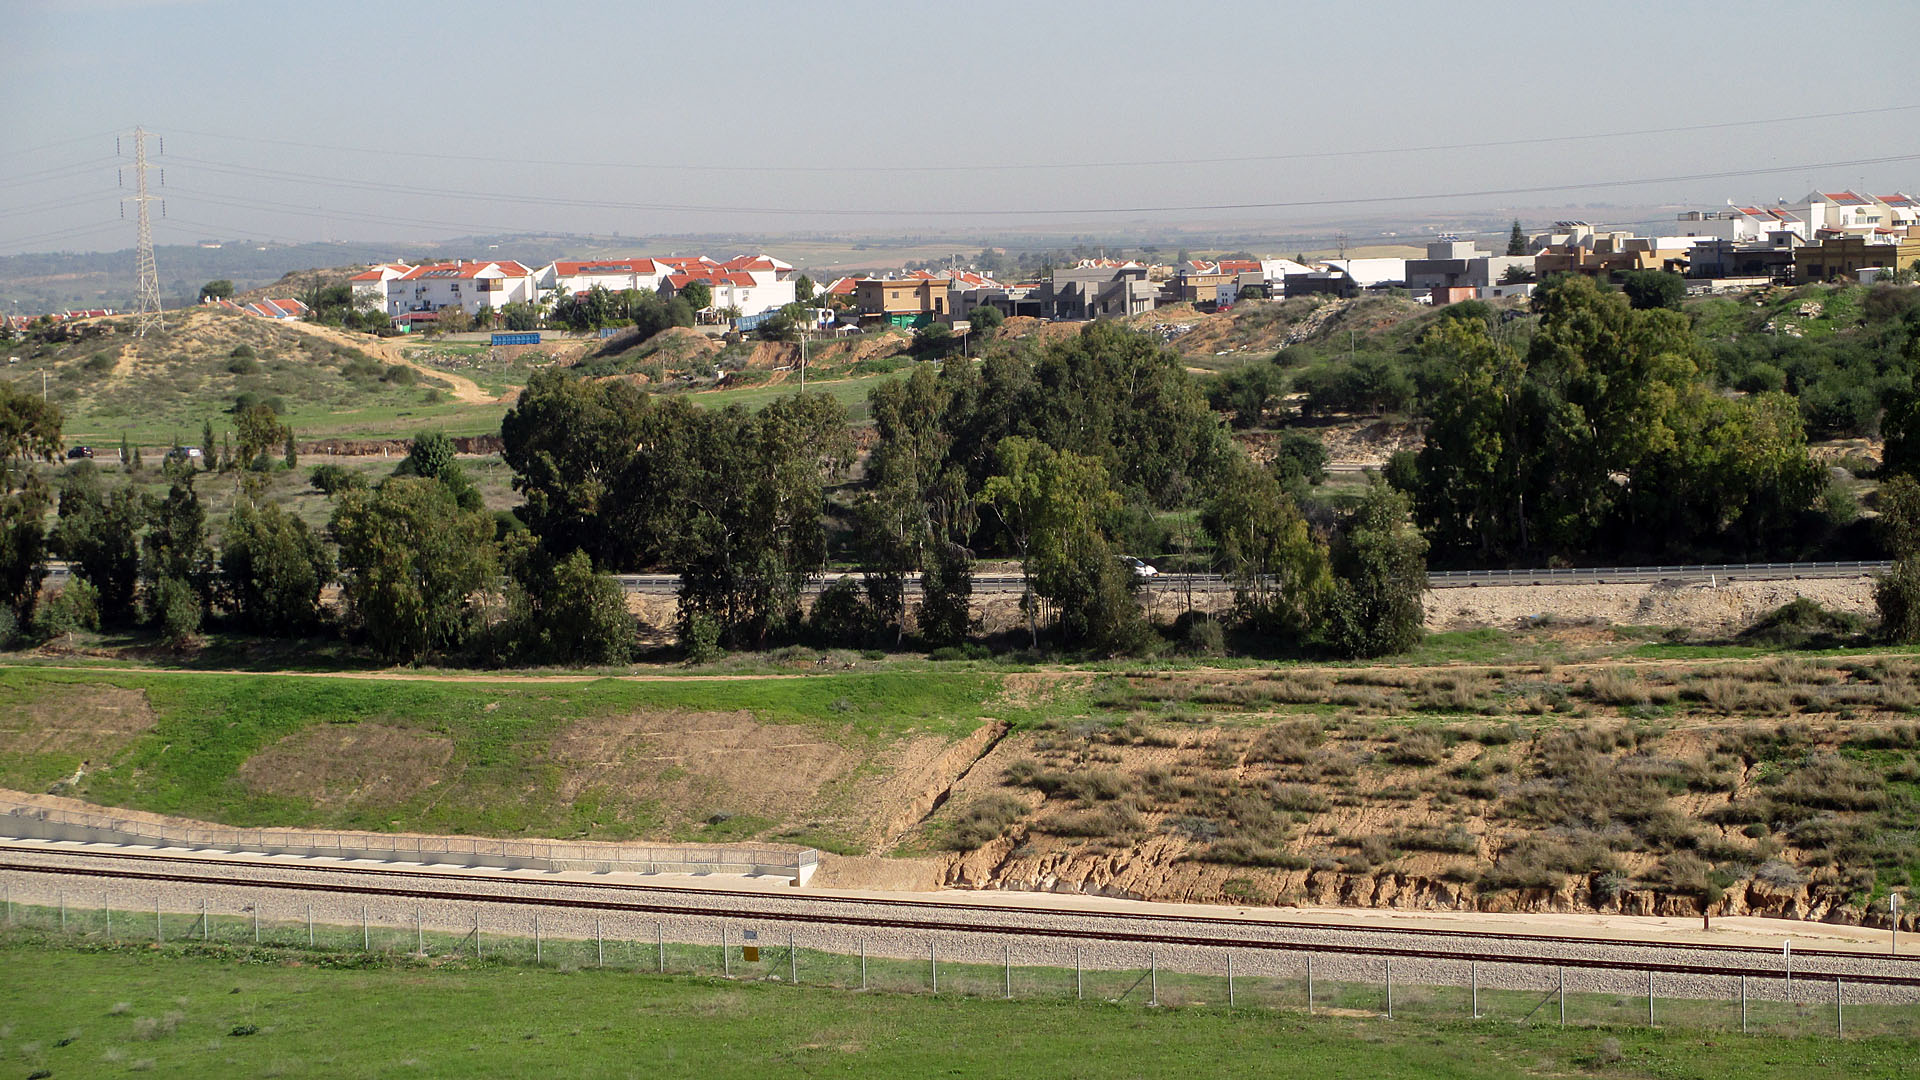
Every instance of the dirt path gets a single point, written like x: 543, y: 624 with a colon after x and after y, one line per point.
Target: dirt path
x: 462, y: 388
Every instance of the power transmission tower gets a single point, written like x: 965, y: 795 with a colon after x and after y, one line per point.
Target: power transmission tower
x: 146, y: 305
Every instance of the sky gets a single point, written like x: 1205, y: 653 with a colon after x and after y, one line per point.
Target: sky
x: 423, y: 120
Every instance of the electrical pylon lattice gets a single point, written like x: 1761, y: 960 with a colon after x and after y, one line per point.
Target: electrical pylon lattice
x: 146, y: 306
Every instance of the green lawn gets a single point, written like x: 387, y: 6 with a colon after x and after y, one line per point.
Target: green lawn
x: 850, y: 392
x: 177, y: 1012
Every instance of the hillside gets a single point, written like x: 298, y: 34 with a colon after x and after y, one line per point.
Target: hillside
x: 161, y: 389
x: 1633, y: 782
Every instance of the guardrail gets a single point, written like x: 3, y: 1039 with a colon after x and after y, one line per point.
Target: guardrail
x: 1564, y: 573
x: 28, y: 821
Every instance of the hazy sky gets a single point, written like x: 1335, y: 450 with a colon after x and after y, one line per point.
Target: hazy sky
x: 409, y: 119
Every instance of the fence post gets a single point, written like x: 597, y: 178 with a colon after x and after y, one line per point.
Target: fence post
x: 793, y: 961
x: 1743, y: 1004
x: 600, y: 941
x: 366, y: 940
x: 1153, y: 971
x: 1476, y: 988
x: 1079, y: 988
x: 206, y: 929
x: 106, y: 916
x: 256, y: 922
x: 476, y: 935
x: 9, y: 903
x: 660, y: 939
x: 309, y: 926
x: 1309, y: 984
x: 157, y: 938
x: 536, y: 937
x: 63, y: 911
x: 933, y: 966
x: 419, y: 934
x: 1389, y: 987
x: 1649, y: 997
x: 1229, y: 980
x: 1839, y: 1009
x: 726, y: 959
x: 1008, y: 992
x: 1563, y: 997
x: 863, y: 963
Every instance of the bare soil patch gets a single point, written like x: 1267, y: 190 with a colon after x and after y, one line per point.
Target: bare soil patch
x: 93, y: 720
x: 336, y: 765
x: 700, y: 763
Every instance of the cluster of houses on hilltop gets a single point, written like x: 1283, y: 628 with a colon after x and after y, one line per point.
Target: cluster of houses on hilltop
x: 749, y: 285
x: 1825, y: 236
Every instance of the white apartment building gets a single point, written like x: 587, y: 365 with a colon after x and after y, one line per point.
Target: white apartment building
x: 470, y: 286
x: 568, y: 277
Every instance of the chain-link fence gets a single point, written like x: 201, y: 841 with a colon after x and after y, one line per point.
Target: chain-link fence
x: 998, y: 962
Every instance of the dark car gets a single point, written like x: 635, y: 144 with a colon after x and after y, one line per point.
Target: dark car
x: 80, y: 452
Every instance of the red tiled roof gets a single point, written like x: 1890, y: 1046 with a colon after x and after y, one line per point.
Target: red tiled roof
x: 603, y: 266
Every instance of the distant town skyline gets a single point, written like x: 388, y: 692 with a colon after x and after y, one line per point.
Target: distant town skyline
x: 417, y: 122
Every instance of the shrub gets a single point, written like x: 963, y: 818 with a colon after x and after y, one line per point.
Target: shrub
x: 983, y: 821
x: 970, y: 651
x: 74, y: 608
x: 174, y: 606
x: 330, y: 479
x: 700, y: 637
x: 1802, y: 623
x: 841, y: 615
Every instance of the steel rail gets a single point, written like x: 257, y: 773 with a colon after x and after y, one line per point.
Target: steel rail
x: 1216, y: 941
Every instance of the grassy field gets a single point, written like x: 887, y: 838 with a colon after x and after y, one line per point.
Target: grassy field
x: 490, y: 756
x: 180, y: 1012
x: 160, y: 390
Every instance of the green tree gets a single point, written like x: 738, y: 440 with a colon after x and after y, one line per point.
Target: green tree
x: 803, y: 289
x: 217, y: 289
x: 934, y: 340
x: 1246, y: 392
x: 29, y: 431
x: 430, y: 454
x: 1652, y: 290
x: 1300, y: 461
x: 209, y: 450
x: 1264, y: 549
x: 272, y: 570
x: 411, y: 560
x: 568, y: 612
x: 290, y: 455
x: 1517, y: 239
x: 259, y: 431
x: 1051, y: 504
x: 1380, y: 571
x: 1897, y: 596
x: 1899, y: 503
x: 571, y: 445
x: 986, y: 318
x: 945, y: 614
x: 98, y: 532
x: 175, y: 561
x: 697, y: 294
x: 740, y: 497
x: 452, y: 319
x: 519, y: 316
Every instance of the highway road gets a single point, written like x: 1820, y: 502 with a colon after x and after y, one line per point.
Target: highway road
x: 1005, y: 584
x: 998, y: 584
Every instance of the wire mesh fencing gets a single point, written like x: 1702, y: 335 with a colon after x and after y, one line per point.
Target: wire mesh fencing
x: 988, y: 962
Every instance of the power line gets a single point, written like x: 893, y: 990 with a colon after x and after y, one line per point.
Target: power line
x: 1291, y: 204
x: 1541, y: 140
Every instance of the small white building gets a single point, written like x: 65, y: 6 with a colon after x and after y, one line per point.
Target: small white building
x: 1371, y: 273
x: 370, y: 285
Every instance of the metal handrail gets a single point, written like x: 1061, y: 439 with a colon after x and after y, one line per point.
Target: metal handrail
x: 550, y: 850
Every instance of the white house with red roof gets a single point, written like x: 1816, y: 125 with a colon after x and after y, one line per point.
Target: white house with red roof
x: 574, y: 276
x: 470, y: 286
x: 370, y: 285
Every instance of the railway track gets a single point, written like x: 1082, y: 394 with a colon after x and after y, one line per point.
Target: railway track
x: 922, y: 916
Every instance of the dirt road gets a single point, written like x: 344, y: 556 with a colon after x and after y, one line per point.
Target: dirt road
x: 462, y: 388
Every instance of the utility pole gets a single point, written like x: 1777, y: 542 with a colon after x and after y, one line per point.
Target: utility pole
x: 146, y: 306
